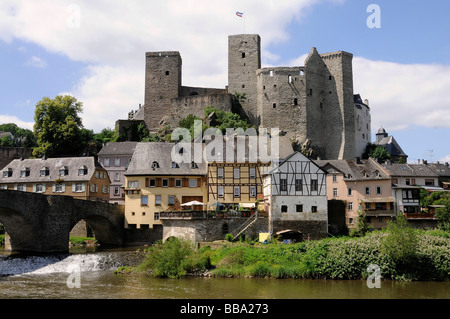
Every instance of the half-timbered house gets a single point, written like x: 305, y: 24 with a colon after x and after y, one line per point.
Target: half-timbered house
x: 295, y: 195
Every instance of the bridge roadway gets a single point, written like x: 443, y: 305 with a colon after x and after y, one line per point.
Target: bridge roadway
x: 42, y: 223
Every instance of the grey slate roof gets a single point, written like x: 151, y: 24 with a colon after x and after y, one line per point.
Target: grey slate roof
x: 54, y: 165
x: 146, y: 154
x: 352, y: 170
x: 391, y: 145
x: 440, y: 169
x: 418, y: 170
x: 118, y: 148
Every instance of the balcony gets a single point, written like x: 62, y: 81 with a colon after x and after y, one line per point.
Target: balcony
x: 207, y: 214
x: 417, y: 216
x: 379, y: 212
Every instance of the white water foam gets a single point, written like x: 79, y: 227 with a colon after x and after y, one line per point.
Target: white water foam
x: 57, y: 264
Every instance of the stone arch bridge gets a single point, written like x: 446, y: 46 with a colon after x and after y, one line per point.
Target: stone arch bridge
x: 42, y: 223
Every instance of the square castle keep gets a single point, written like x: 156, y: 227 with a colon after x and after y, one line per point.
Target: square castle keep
x: 313, y: 102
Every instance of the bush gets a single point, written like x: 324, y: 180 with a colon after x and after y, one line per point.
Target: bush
x: 229, y: 237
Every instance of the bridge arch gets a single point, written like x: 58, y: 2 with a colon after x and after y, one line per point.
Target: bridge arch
x: 42, y: 223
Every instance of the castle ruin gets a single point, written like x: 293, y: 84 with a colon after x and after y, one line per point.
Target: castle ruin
x: 314, y: 102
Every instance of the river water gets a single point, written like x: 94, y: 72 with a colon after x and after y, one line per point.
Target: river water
x: 84, y: 275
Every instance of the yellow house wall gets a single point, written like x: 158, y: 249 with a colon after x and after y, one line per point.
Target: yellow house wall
x: 228, y: 182
x: 141, y: 216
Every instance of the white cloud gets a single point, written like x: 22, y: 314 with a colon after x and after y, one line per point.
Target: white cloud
x: 5, y: 118
x: 36, y: 62
x: 113, y: 39
x: 445, y: 159
x: 404, y: 95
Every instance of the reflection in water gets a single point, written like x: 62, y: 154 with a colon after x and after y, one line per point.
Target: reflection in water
x: 46, y: 277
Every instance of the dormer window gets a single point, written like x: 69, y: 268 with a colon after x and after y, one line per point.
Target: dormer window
x: 181, y: 151
x: 175, y: 165
x: 194, y: 165
x: 82, y: 170
x: 44, y: 172
x: 64, y: 171
x: 8, y: 172
x: 155, y: 165
x: 25, y: 172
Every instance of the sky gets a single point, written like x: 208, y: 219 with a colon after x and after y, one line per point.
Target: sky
x: 95, y: 51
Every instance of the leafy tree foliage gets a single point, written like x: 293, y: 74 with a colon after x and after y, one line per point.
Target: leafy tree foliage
x: 226, y: 119
x: 376, y: 151
x: 58, y: 127
x: 22, y: 137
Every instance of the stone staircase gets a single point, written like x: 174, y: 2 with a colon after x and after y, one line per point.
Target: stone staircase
x: 250, y: 221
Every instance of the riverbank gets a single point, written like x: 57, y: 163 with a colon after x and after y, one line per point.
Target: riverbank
x: 415, y: 256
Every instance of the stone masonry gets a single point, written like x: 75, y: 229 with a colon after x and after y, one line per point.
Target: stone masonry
x: 313, y: 102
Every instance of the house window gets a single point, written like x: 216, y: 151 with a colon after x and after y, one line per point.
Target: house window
x: 349, y: 191
x: 220, y: 172
x: 378, y: 190
x: 313, y: 209
x: 8, y: 173
x: 165, y: 182
x: 40, y: 188
x: 192, y: 182
x: 133, y: 184
x: 155, y: 165
x: 334, y: 178
x: 367, y: 190
x: 237, y: 191
x: 335, y: 192
x: 157, y: 199
x: 236, y: 173
x: 298, y: 185
x: 106, y: 161
x: 350, y: 206
x: 284, y: 208
x: 177, y: 183
x: 171, y: 200
x: 117, y: 162
x: 429, y: 182
x: 22, y: 188
x: 59, y: 188
x: 116, y: 190
x: 220, y: 191
x: 117, y: 176
x: 156, y: 216
x: 45, y: 171
x: 299, y: 208
x: 283, y: 185
x: 252, y: 191
x: 314, y: 185
x: 144, y: 200
x: 25, y: 172
x: 79, y: 187
x: 252, y: 172
x: 82, y: 171
x: 64, y: 171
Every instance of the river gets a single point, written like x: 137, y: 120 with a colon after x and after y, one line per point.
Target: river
x: 81, y: 275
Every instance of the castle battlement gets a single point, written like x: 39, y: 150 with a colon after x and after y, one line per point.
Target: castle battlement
x: 311, y: 102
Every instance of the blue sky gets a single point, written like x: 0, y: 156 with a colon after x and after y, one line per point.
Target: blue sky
x: 95, y: 51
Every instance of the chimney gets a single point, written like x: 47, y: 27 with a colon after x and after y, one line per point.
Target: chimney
x: 366, y: 102
x: 446, y: 164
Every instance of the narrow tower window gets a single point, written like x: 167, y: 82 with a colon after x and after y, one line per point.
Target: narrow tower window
x: 243, y: 55
x: 167, y: 72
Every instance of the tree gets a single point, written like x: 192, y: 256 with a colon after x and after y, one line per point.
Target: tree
x: 22, y: 137
x: 226, y: 119
x: 58, y: 127
x: 401, y: 241
x: 377, y: 152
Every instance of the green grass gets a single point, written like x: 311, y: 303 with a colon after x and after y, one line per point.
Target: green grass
x: 332, y: 258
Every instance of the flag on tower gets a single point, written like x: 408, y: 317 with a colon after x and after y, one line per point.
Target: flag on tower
x: 239, y: 14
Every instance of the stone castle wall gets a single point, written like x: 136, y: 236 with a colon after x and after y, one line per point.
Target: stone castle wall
x: 313, y: 102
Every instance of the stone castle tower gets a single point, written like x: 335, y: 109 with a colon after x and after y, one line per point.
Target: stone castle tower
x: 313, y: 102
